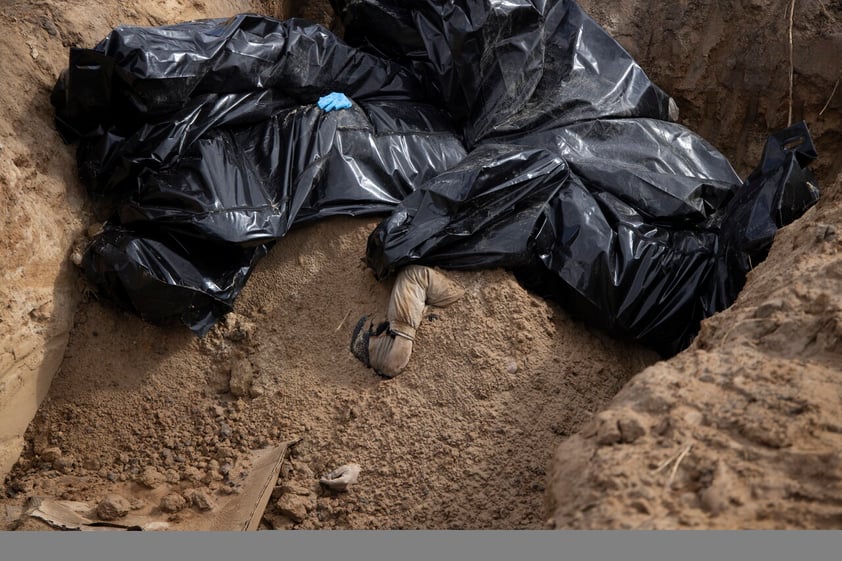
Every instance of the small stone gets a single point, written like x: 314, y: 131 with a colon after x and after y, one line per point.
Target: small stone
x: 172, y: 476
x: 64, y: 464
x: 511, y: 367
x: 608, y: 430
x: 224, y: 430
x: 226, y: 452
x: 242, y: 376
x: 11, y: 515
x: 766, y: 309
x: 50, y: 455
x: 630, y: 429
x: 151, y: 478
x: 49, y: 26
x: 229, y: 490
x: 192, y: 474
x: 212, y: 477
x: 112, y: 507
x: 294, y: 507
x: 825, y: 231
x: 200, y: 500
x: 173, y: 503
x: 303, y: 469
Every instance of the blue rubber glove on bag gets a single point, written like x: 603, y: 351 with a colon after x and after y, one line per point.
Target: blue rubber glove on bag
x: 334, y: 100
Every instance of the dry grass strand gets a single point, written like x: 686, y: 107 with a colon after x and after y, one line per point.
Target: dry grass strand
x: 826, y: 105
x: 791, y: 61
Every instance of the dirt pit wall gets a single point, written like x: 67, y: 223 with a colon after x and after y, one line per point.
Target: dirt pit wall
x: 738, y: 431
x: 728, y: 64
x: 43, y: 207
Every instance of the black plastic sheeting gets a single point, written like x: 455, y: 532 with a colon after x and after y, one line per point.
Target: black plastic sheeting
x: 207, y: 139
x: 165, y: 277
x: 650, y: 232
x: 507, y: 66
x: 510, y: 134
x: 645, y: 247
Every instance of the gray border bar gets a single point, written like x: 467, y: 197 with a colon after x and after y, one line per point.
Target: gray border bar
x: 423, y: 545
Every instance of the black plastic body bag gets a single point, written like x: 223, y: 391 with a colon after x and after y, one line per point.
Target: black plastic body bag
x: 651, y: 230
x: 498, y: 134
x: 206, y: 137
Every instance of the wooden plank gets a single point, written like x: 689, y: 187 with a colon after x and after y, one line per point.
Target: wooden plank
x: 244, y: 512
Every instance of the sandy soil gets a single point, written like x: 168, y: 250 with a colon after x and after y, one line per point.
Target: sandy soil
x: 461, y: 439
x: 508, y: 415
x: 740, y: 431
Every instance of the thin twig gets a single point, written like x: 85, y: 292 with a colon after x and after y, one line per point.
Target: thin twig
x: 667, y: 462
x: 791, y: 62
x: 825, y: 11
x: 677, y: 463
x: 826, y: 105
x: 343, y: 321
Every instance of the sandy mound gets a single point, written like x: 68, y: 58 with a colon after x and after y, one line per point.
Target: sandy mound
x: 740, y: 431
x: 461, y: 439
x: 43, y: 206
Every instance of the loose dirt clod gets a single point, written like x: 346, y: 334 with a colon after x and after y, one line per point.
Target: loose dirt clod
x: 152, y: 478
x: 242, y: 377
x: 200, y: 500
x: 112, y: 507
x: 172, y: 503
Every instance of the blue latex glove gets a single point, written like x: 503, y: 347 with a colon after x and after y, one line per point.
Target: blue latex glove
x: 334, y: 100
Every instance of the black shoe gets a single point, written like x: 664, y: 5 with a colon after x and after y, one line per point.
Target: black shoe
x: 359, y: 341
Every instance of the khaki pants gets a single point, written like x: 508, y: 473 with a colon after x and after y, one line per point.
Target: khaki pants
x: 415, y: 287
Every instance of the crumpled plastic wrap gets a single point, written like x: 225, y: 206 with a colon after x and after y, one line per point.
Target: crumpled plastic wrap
x: 493, y: 133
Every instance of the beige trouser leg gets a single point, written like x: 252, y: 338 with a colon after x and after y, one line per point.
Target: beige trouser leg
x: 415, y: 287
